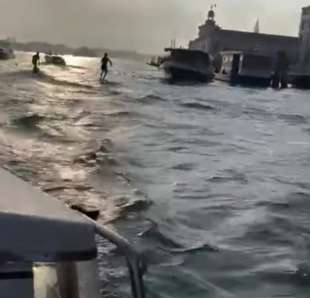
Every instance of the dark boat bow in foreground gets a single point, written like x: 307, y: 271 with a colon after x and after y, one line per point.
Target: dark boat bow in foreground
x: 49, y: 250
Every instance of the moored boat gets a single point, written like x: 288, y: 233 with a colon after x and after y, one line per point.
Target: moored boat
x: 56, y: 60
x: 300, y: 80
x: 157, y: 61
x: 6, y: 53
x: 299, y: 75
x: 245, y: 68
x: 188, y: 65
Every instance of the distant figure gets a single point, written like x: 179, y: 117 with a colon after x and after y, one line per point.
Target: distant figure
x: 35, y: 62
x: 104, y: 66
x: 282, y: 64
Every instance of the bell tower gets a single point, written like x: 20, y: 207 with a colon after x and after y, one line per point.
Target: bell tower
x: 208, y: 38
x: 211, y: 15
x: 304, y: 35
x: 210, y: 25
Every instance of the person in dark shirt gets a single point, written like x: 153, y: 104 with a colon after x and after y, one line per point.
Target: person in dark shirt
x: 281, y: 69
x: 104, y: 66
x: 35, y: 62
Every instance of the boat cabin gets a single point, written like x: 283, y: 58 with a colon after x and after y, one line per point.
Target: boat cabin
x: 188, y: 65
x: 248, y: 68
x: 49, y: 251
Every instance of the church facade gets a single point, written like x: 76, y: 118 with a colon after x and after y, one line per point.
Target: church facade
x: 213, y: 39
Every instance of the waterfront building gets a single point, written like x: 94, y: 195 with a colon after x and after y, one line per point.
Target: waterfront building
x: 304, y: 35
x: 214, y: 39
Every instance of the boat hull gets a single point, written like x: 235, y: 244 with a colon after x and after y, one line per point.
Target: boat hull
x: 179, y: 74
x: 301, y: 81
x: 56, y: 60
x: 246, y: 80
x: 246, y: 68
x: 6, y: 54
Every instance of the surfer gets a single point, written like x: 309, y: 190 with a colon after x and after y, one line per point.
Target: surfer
x: 104, y: 66
x: 35, y: 62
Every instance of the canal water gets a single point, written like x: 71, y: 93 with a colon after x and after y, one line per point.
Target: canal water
x: 210, y: 182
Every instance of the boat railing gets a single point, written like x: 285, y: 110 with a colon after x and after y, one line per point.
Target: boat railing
x: 135, y: 264
x: 43, y: 233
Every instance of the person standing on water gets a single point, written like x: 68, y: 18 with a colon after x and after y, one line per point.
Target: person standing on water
x: 35, y: 62
x: 104, y: 66
x: 281, y: 69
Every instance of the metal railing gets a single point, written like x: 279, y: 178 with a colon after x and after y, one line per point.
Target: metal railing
x: 135, y: 264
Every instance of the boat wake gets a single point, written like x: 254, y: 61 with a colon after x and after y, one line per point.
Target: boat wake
x: 42, y: 77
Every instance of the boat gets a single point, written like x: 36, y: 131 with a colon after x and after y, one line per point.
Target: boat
x: 49, y: 250
x: 299, y: 75
x: 300, y: 80
x: 188, y: 65
x: 245, y: 68
x: 54, y: 59
x: 6, y: 53
x: 156, y: 61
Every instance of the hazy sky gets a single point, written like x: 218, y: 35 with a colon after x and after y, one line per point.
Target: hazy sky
x: 143, y: 25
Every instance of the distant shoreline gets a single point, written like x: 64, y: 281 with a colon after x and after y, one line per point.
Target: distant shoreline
x: 62, y: 49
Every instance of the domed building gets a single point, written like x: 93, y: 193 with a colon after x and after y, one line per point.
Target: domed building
x: 214, y: 39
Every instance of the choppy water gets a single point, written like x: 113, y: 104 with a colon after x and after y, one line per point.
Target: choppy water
x: 211, y: 182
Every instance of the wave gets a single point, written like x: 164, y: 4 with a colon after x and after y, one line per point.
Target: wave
x: 295, y: 202
x: 136, y: 205
x: 154, y: 233
x: 254, y: 112
x: 28, y: 121
x: 177, y: 148
x: 97, y: 152
x: 76, y: 66
x: 89, y: 91
x: 170, y: 245
x: 119, y: 114
x: 149, y: 99
x: 293, y: 118
x: 110, y: 83
x: 45, y: 128
x: 299, y: 184
x: 193, y: 249
x: 65, y: 186
x: 114, y: 92
x: 184, y: 167
x: 299, y: 275
x: 43, y: 77
x: 196, y: 105
x: 52, y: 80
x: 232, y: 176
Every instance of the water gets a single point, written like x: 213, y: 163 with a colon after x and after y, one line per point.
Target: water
x: 211, y: 182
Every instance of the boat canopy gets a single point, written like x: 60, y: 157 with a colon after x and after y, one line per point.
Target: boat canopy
x: 183, y: 50
x: 184, y: 55
x: 38, y: 228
